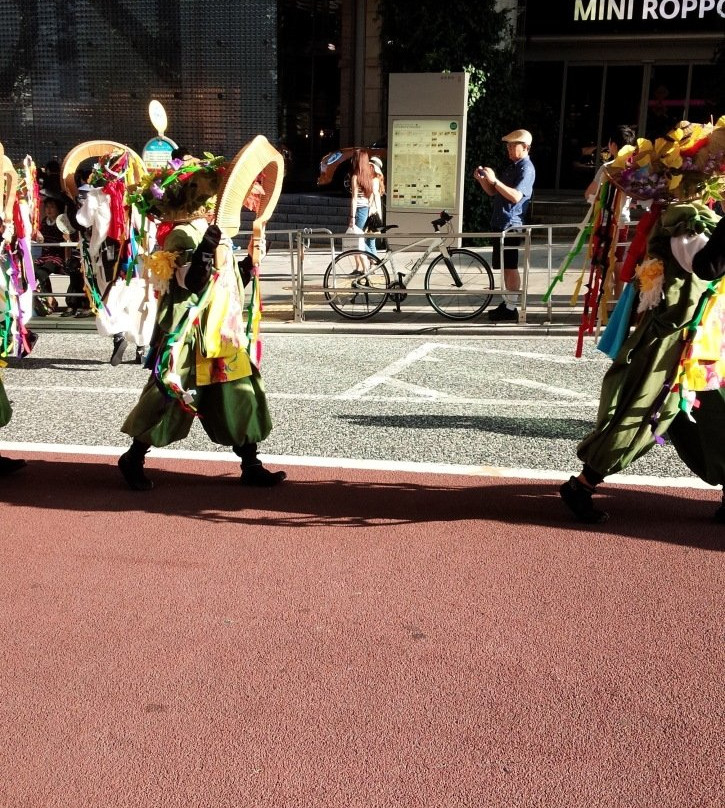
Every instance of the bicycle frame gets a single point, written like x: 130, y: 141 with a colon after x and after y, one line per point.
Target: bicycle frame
x: 435, y: 244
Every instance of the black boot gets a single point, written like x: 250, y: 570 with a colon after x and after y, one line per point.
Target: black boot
x: 253, y: 472
x: 720, y: 512
x: 578, y: 498
x: 10, y: 466
x: 140, y: 354
x: 131, y: 465
x: 119, y: 346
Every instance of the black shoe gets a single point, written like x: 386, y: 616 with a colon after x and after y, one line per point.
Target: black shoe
x: 81, y: 313
x: 119, y: 346
x: 10, y: 466
x: 132, y: 470
x: 68, y: 313
x: 259, y: 477
x: 140, y: 354
x: 578, y: 498
x: 503, y: 314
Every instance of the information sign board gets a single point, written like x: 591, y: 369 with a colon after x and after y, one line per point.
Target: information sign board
x: 425, y: 170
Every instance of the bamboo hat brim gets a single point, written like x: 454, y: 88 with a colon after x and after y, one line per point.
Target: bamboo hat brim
x: 96, y: 148
x: 258, y: 159
x: 10, y: 185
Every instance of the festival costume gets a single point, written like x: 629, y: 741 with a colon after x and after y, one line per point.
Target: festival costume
x: 17, y: 279
x: 205, y: 355
x: 631, y: 415
x: 113, y: 239
x: 669, y: 372
x: 228, y: 393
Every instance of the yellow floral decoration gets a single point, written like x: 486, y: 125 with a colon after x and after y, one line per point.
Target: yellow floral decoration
x: 161, y: 265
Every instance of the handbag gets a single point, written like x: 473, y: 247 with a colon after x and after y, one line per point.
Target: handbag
x: 373, y: 223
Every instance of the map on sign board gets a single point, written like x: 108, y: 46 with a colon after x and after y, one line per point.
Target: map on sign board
x: 424, y: 164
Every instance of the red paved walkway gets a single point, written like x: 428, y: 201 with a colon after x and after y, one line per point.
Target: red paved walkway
x: 354, y: 639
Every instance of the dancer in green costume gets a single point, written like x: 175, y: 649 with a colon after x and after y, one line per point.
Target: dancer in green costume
x: 669, y: 373
x: 638, y: 404
x: 8, y: 465
x: 199, y: 358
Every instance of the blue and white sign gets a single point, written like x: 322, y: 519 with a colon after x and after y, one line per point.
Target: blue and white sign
x: 157, y: 152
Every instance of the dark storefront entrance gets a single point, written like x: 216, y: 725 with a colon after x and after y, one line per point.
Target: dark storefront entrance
x: 579, y: 87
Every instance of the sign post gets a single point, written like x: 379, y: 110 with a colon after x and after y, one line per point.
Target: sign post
x: 157, y: 151
x: 426, y: 148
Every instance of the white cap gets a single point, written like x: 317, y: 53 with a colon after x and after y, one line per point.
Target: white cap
x: 518, y: 136
x: 377, y: 164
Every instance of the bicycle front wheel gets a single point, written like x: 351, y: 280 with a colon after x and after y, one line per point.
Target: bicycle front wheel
x: 356, y: 284
x: 461, y: 289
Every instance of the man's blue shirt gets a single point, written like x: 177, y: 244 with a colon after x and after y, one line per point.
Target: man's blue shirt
x: 519, y: 175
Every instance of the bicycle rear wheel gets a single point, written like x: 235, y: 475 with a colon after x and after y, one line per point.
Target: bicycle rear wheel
x: 356, y: 284
x: 461, y: 290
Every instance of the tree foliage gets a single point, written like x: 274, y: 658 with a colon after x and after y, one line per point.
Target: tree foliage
x: 473, y: 36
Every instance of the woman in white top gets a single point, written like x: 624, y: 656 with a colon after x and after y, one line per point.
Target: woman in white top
x: 361, y: 187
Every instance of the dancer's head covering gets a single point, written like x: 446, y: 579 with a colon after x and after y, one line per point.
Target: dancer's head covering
x: 687, y: 164
x: 184, y: 190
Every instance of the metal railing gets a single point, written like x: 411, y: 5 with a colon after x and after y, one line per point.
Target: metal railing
x: 544, y: 248
x: 311, y: 250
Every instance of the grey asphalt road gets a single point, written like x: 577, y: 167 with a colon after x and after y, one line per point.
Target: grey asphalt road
x: 502, y: 402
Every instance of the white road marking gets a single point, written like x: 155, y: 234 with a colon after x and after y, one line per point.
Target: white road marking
x: 430, y: 396
x: 547, y: 388
x: 366, y: 385
x: 416, y: 390
x: 62, y: 388
x: 559, y: 360
x: 350, y: 463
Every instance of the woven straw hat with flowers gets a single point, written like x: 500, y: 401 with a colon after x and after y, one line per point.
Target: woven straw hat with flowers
x: 688, y: 164
x: 185, y: 189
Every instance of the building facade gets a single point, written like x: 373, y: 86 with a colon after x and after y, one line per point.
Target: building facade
x: 86, y: 70
x: 307, y: 74
x: 591, y: 65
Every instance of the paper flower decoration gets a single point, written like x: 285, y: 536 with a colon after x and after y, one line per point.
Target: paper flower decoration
x: 183, y: 190
x: 687, y: 164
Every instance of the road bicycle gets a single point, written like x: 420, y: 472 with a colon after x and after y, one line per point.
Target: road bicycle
x: 458, y: 282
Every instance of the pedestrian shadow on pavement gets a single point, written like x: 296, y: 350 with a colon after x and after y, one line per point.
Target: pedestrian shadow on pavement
x: 487, y: 508
x: 565, y: 428
x: 59, y: 363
